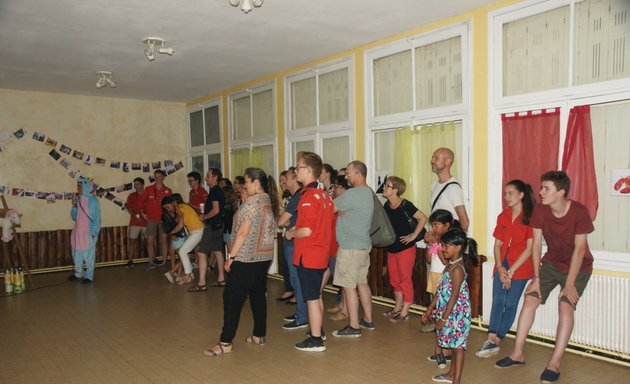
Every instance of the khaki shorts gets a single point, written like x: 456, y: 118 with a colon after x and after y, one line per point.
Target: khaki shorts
x: 432, y: 282
x: 550, y: 277
x: 153, y: 228
x: 352, y: 267
x: 135, y: 231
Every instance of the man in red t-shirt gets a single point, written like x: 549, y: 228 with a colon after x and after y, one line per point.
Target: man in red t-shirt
x: 197, y: 195
x: 312, y: 234
x: 137, y: 223
x: 152, y: 213
x: 568, y: 262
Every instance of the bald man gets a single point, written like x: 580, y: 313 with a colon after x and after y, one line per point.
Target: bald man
x: 452, y: 197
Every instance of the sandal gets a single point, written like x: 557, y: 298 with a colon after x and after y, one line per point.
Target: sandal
x: 261, y: 340
x: 218, y: 284
x: 392, y: 313
x: 211, y: 352
x: 186, y: 279
x: 198, y: 288
x: 399, y: 318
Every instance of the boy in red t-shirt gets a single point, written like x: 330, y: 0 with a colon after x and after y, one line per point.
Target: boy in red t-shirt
x: 568, y: 261
x: 312, y: 234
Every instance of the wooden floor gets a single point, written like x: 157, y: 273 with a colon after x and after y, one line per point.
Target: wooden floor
x: 132, y: 326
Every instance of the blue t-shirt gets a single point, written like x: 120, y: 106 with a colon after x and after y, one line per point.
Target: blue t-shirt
x: 356, y: 207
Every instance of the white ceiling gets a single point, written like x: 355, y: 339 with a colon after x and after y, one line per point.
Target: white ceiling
x: 57, y: 45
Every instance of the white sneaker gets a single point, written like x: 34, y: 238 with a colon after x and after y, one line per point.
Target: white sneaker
x: 489, y: 349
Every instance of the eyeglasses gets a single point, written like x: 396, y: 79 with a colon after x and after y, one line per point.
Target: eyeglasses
x: 300, y: 167
x: 389, y: 186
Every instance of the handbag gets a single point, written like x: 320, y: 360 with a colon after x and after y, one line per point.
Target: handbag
x: 413, y: 223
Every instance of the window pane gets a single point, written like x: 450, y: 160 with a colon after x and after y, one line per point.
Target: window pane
x: 303, y: 106
x: 298, y: 146
x: 239, y: 159
x: 197, y: 164
x: 333, y: 97
x: 214, y: 160
x: 535, y: 52
x: 439, y: 74
x: 392, y: 84
x: 336, y: 151
x: 213, y: 130
x: 262, y: 157
x: 263, y: 114
x: 602, y: 41
x: 242, y: 119
x: 196, y: 128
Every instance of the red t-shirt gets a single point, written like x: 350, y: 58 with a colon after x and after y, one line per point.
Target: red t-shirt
x: 152, y: 201
x: 196, y: 197
x: 315, y: 211
x: 514, y: 235
x: 134, y: 205
x: 560, y: 234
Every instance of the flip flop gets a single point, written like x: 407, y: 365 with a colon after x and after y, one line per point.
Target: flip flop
x: 218, y: 284
x: 441, y: 378
x: 212, y: 353
x: 198, y: 288
x: 261, y: 340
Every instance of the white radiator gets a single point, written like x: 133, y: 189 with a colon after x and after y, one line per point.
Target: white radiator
x: 602, y: 317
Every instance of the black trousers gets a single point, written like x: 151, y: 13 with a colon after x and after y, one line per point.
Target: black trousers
x: 245, y: 279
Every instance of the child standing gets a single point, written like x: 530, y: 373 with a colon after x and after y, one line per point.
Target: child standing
x: 451, y: 305
x: 441, y: 221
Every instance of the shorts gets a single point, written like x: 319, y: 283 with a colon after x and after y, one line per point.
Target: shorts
x: 352, y: 267
x: 550, y: 277
x: 310, y: 282
x: 432, y: 282
x: 134, y: 231
x: 211, y: 241
x: 178, y: 243
x: 153, y: 228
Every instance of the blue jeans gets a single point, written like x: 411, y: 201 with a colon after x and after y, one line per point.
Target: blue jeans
x: 504, y: 305
x: 301, y: 310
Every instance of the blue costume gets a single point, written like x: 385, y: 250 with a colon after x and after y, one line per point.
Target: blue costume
x: 87, y: 217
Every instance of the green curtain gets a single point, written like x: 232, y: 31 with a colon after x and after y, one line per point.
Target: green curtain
x: 240, y: 161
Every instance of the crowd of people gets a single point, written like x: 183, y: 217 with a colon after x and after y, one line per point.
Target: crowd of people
x: 325, y: 217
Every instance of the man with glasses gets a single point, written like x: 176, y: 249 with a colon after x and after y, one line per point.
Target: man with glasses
x: 355, y: 209
x: 197, y: 195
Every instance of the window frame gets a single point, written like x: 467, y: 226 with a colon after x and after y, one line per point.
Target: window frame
x: 206, y: 149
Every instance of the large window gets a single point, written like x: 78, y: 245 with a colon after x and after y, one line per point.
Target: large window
x: 252, y: 127
x: 318, y: 103
x: 205, y: 137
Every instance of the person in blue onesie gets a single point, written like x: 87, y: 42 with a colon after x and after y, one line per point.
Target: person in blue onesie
x: 86, y: 213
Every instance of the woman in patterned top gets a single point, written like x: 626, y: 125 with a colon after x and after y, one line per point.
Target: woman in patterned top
x: 248, y: 259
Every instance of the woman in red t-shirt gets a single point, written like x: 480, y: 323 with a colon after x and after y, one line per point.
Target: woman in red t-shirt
x: 513, y: 262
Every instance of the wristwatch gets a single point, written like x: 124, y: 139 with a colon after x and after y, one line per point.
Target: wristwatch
x: 230, y: 257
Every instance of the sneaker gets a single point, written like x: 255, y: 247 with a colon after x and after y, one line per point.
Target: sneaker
x: 130, y: 264
x: 294, y: 325
x: 440, y: 359
x: 308, y: 334
x: 169, y: 277
x: 507, y: 362
x: 149, y: 267
x: 549, y: 376
x: 434, y: 358
x: 489, y: 349
x: 290, y: 317
x: 428, y: 327
x: 311, y: 345
x: 85, y: 280
x: 73, y: 277
x: 367, y: 325
x: 347, y: 331
x: 157, y: 262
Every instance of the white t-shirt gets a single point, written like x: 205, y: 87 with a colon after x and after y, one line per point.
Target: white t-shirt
x: 452, y: 197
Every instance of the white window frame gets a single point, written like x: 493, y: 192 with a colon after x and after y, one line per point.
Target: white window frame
x: 258, y: 141
x: 206, y: 149
x: 456, y: 112
x: 319, y: 132
x: 565, y: 98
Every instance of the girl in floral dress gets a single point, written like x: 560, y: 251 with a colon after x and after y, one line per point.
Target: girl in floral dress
x: 452, y: 311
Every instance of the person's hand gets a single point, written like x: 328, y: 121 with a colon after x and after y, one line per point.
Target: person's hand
x: 407, y: 239
x: 227, y: 264
x: 571, y: 293
x: 430, y: 237
x: 440, y: 324
x: 534, y: 286
x: 290, y: 234
x: 428, y: 313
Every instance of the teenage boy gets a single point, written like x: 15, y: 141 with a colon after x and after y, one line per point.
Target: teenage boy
x: 152, y: 213
x: 137, y: 223
x: 568, y: 262
x: 198, y: 194
x: 312, y: 234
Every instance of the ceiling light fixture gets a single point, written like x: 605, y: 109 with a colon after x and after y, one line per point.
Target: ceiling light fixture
x: 247, y: 4
x: 151, y: 42
x: 104, y: 78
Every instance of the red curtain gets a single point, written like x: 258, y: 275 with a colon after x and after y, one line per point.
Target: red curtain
x: 578, y: 159
x: 530, y: 146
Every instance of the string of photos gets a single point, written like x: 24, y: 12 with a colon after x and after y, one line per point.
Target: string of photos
x: 57, y: 154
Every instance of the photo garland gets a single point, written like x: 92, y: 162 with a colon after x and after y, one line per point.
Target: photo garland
x: 59, y: 156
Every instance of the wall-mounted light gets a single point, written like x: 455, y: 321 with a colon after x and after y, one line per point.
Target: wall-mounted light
x: 151, y: 43
x: 247, y: 4
x: 104, y: 78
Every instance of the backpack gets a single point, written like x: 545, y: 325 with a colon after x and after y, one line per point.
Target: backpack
x: 381, y: 231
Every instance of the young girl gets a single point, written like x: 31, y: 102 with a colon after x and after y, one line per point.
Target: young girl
x: 441, y: 221
x: 451, y: 305
x: 512, y: 260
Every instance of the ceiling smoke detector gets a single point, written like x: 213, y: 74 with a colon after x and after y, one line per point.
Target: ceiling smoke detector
x: 104, y: 78
x: 153, y: 42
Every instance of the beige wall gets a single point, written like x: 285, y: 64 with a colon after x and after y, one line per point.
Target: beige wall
x: 114, y: 129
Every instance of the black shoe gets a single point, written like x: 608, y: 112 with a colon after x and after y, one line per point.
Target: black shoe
x: 157, y: 262
x: 549, y: 376
x: 85, y: 280
x: 130, y: 264
x: 311, y: 345
x: 294, y: 325
x: 72, y: 278
x: 290, y: 317
x: 308, y: 334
